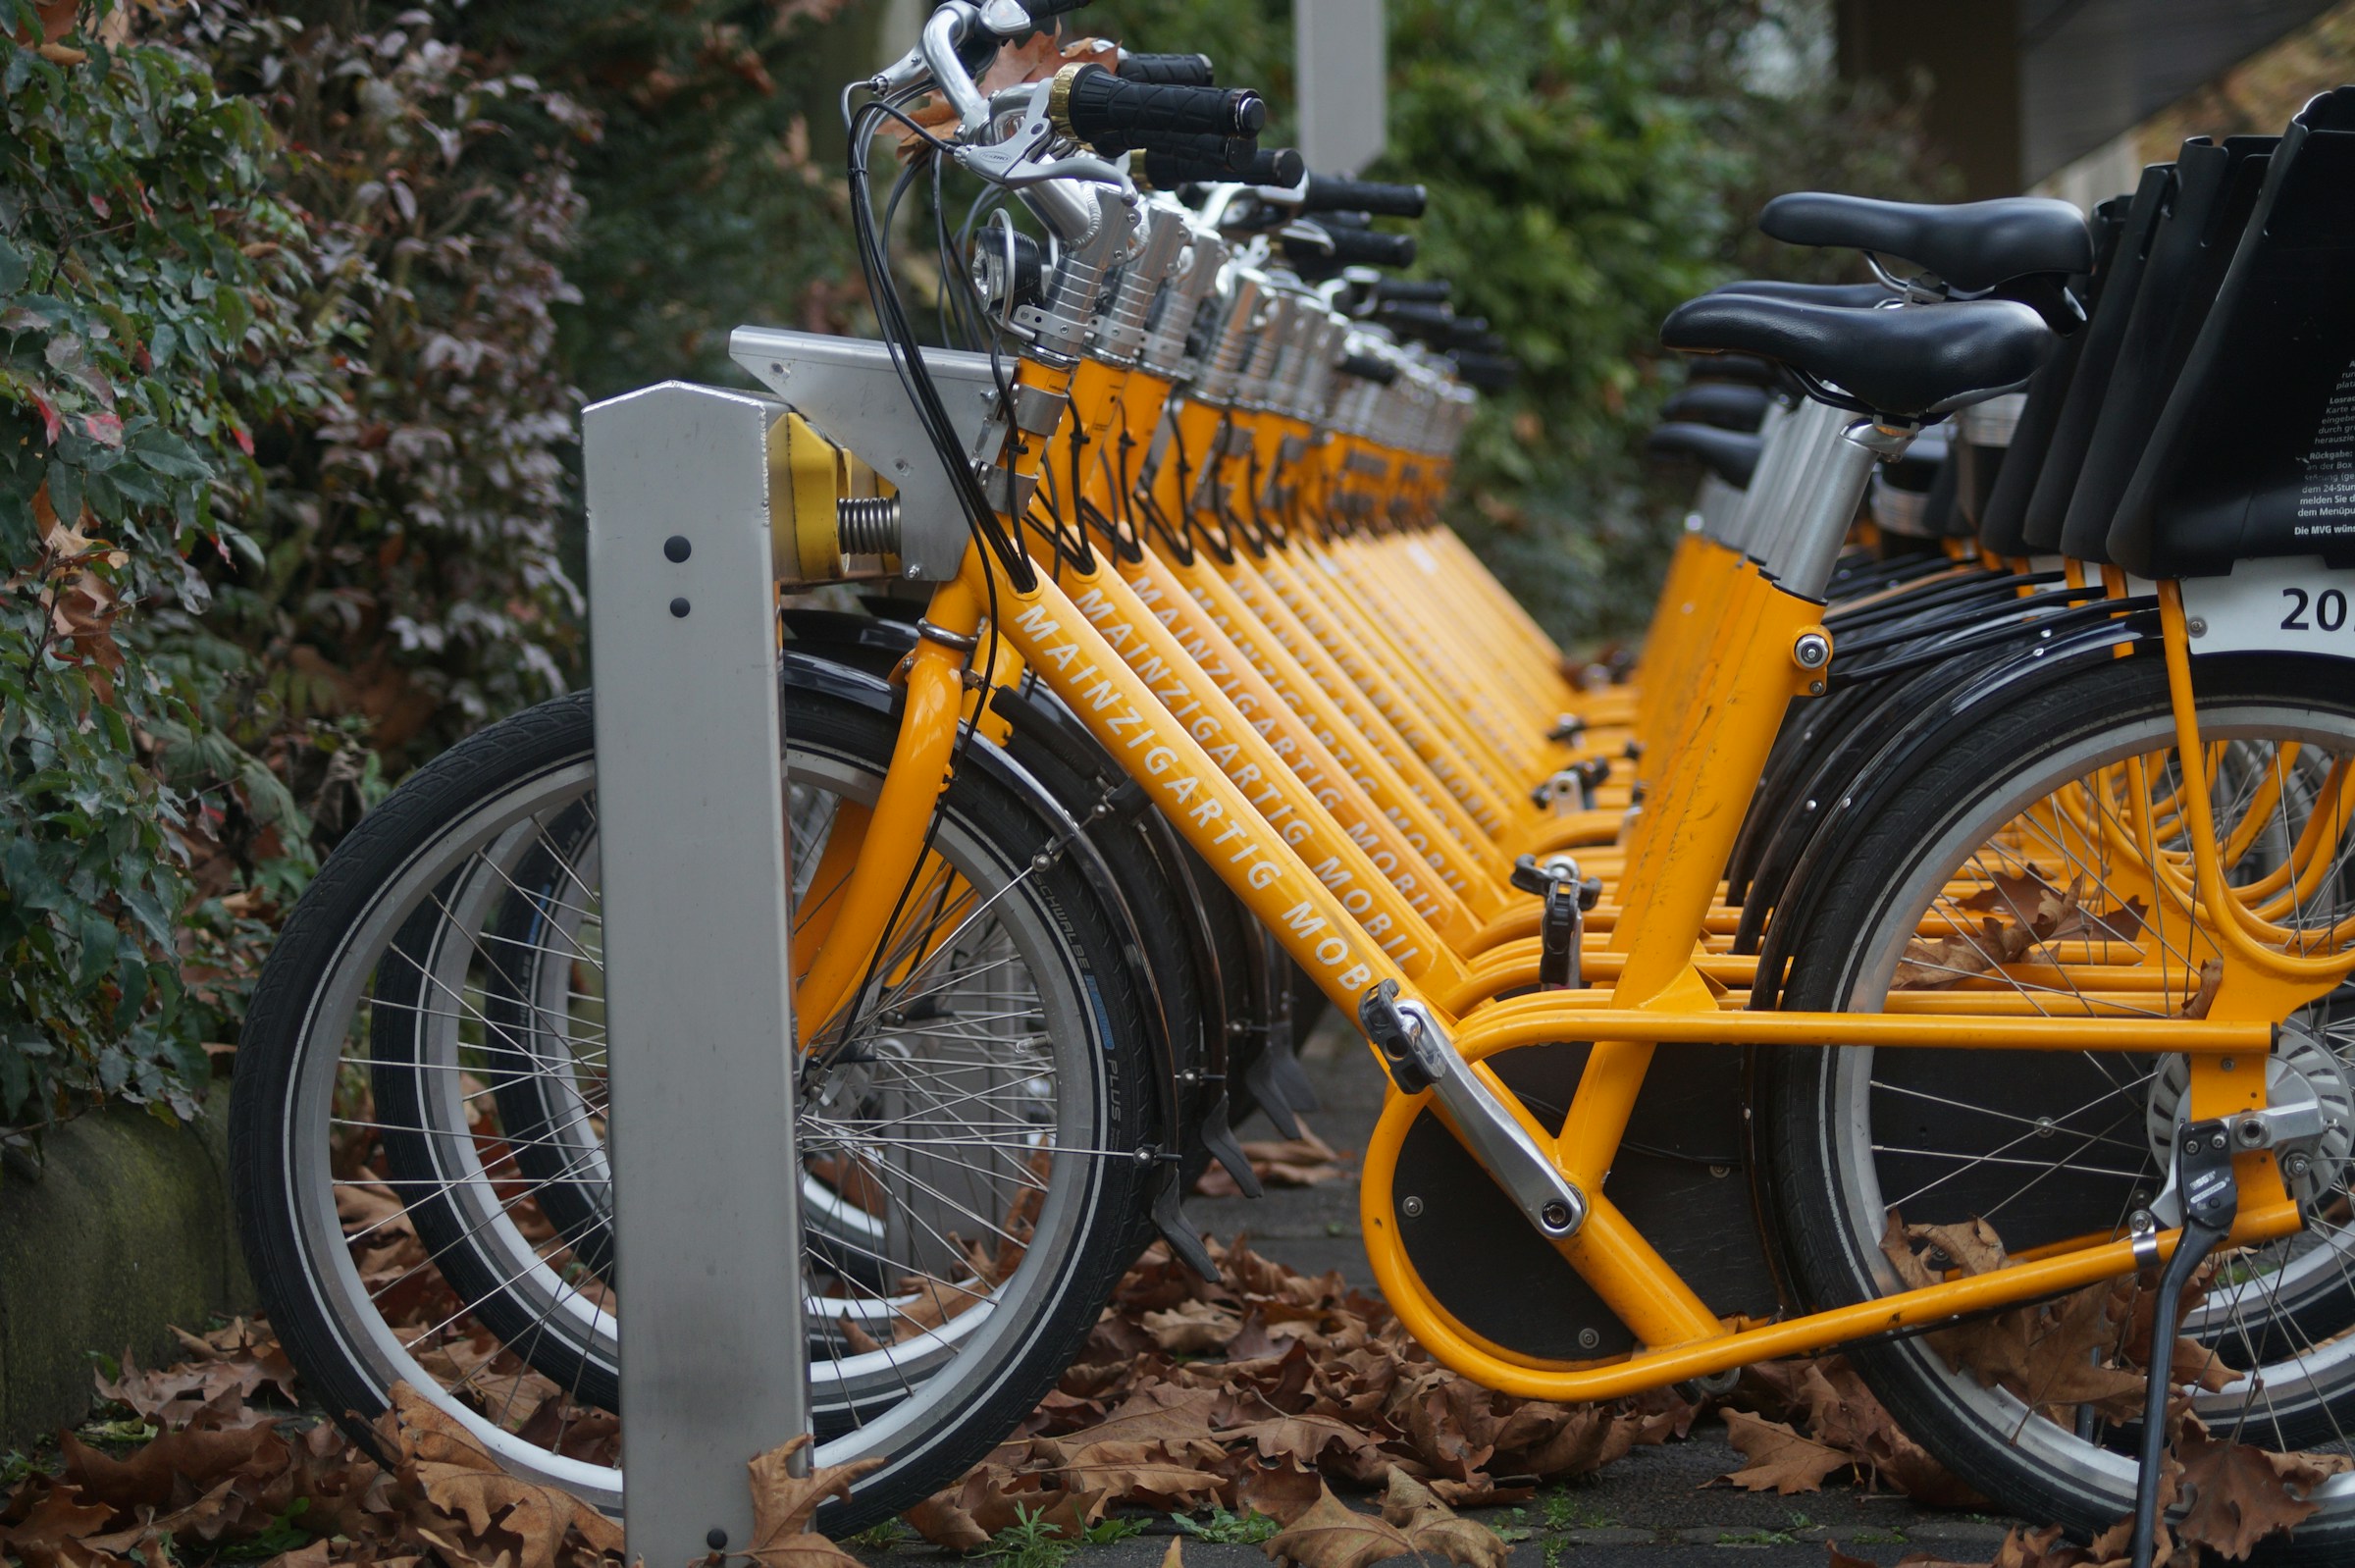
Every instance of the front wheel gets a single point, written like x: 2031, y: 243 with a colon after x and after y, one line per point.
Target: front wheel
x: 418, y: 1116
x: 2016, y: 869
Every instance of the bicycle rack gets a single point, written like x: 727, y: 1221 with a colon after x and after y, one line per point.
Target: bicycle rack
x: 699, y: 1002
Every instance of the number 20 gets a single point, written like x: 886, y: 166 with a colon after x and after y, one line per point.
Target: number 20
x: 2330, y: 610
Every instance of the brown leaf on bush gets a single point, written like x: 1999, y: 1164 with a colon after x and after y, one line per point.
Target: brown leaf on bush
x: 1779, y: 1459
x: 783, y: 1504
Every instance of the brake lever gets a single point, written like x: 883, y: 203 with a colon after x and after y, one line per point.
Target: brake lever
x: 1006, y: 161
x: 1005, y: 18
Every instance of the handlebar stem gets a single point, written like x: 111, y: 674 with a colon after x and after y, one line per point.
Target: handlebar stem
x: 1234, y: 335
x: 1121, y: 335
x: 1172, y: 322
x: 1070, y: 315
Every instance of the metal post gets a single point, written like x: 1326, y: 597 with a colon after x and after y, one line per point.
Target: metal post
x: 1340, y: 61
x: 698, y: 1005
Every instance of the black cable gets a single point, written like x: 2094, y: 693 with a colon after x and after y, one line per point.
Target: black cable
x: 908, y: 360
x: 900, y: 339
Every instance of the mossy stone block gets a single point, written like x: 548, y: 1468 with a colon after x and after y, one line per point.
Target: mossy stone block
x: 126, y: 1234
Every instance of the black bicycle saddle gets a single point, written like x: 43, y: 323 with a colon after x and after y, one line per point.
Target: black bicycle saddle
x: 1973, y: 245
x: 1729, y: 406
x: 1730, y: 454
x: 1914, y: 363
x: 1849, y: 296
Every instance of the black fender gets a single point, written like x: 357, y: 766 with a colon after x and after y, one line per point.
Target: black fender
x: 876, y: 646
x: 1902, y: 755
x: 1819, y: 753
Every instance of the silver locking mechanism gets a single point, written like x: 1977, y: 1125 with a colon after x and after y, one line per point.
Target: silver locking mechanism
x: 2293, y: 1132
x: 1420, y: 1055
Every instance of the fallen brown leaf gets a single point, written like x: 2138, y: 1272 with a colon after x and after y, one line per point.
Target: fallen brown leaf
x: 1781, y: 1459
x: 1334, y: 1534
x: 2240, y: 1495
x: 783, y: 1504
x: 1432, y: 1527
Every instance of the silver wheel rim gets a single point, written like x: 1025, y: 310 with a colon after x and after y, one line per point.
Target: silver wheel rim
x: 2325, y: 1371
x: 953, y: 1362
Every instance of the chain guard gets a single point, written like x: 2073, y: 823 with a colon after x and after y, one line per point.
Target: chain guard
x: 1681, y: 1179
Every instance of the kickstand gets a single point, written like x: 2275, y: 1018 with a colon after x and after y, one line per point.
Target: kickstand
x: 2211, y: 1198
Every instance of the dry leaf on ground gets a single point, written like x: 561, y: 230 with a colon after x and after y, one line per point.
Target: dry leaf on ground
x: 1781, y: 1459
x: 783, y: 1504
x: 1254, y: 1393
x: 1306, y: 1161
x: 1334, y: 1534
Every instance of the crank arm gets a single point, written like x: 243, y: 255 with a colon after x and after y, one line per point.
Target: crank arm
x: 1418, y: 1056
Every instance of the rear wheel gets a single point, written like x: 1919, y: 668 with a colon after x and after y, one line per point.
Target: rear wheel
x: 419, y: 1113
x: 2016, y: 865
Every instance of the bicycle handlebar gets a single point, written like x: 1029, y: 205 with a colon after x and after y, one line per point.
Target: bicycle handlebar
x: 1167, y: 165
x: 1420, y: 290
x: 1180, y: 70
x: 1354, y: 247
x: 1325, y: 193
x: 1113, y: 116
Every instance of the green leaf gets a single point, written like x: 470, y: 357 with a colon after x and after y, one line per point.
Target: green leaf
x: 14, y: 267
x: 170, y: 456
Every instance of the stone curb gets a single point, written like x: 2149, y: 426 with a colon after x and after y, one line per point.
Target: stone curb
x: 126, y: 1233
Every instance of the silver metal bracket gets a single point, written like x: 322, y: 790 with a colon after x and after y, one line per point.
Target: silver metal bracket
x: 1007, y: 491
x: 1038, y: 410
x: 1421, y: 1055
x: 2291, y: 1129
x: 849, y: 389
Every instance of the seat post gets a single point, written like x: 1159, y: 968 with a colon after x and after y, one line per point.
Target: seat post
x: 1808, y: 435
x: 1818, y: 525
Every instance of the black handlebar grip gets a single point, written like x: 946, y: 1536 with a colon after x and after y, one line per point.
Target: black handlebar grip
x: 1329, y: 194
x: 1221, y: 155
x: 1411, y: 318
x: 1171, y: 162
x: 1113, y: 116
x: 1369, y: 367
x: 1354, y: 247
x: 1184, y: 70
x: 1423, y: 290
x: 1041, y: 10
x: 1485, y: 372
